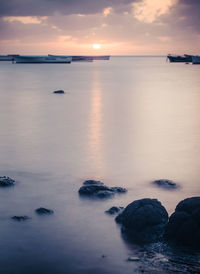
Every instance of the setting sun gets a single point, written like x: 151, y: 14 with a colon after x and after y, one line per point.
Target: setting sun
x: 96, y: 46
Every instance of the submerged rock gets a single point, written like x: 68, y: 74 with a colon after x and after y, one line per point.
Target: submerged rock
x: 143, y: 220
x: 43, y: 211
x: 133, y: 259
x: 164, y: 183
x: 98, y: 189
x: 60, y: 91
x: 184, y: 224
x: 114, y: 210
x: 6, y: 181
x: 20, y: 218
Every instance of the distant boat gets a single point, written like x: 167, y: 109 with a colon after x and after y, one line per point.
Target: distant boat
x: 43, y: 59
x: 76, y: 58
x: 180, y: 58
x: 9, y: 57
x: 85, y: 58
x: 196, y: 60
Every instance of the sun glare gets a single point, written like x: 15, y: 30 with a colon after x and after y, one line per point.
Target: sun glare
x: 96, y: 46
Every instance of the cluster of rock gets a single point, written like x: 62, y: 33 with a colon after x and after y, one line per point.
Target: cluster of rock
x: 165, y: 183
x: 94, y: 188
x: 147, y: 221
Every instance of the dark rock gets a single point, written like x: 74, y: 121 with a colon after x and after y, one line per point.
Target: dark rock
x: 6, y: 181
x: 20, y: 218
x: 184, y: 224
x: 92, y: 182
x: 43, y: 210
x: 114, y: 210
x: 98, y: 189
x: 60, y: 91
x: 143, y: 220
x: 164, y: 183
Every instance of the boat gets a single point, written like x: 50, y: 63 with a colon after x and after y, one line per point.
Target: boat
x: 196, y: 60
x: 180, y: 58
x: 9, y: 57
x: 43, y: 59
x: 76, y: 58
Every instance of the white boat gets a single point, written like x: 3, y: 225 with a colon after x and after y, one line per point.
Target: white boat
x: 196, y: 60
x: 43, y: 59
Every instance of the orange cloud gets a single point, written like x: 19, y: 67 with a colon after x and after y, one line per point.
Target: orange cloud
x: 25, y: 19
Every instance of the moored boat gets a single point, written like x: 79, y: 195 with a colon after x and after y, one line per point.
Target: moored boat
x: 196, y: 60
x: 180, y: 58
x: 9, y: 57
x: 43, y: 59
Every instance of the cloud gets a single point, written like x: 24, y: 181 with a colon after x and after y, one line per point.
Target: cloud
x: 25, y: 19
x: 149, y: 10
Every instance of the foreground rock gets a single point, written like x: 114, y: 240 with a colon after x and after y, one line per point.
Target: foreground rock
x: 184, y: 224
x: 144, y: 220
x: 20, y: 218
x: 98, y: 189
x: 6, y: 181
x: 43, y: 211
x: 164, y: 183
x: 60, y: 91
x: 114, y: 210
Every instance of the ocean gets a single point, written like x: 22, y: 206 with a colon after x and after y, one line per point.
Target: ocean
x: 126, y: 122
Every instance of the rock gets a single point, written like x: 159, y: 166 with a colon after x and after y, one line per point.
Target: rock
x: 6, y: 181
x: 164, y: 183
x: 43, y: 211
x: 143, y: 220
x: 114, y: 210
x: 92, y: 182
x: 133, y: 259
x: 60, y: 91
x: 20, y: 218
x: 98, y: 189
x: 184, y: 224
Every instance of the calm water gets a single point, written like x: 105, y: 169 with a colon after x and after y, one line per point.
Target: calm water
x: 126, y: 121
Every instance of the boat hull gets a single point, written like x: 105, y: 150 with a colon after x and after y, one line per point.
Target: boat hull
x: 180, y: 59
x: 42, y: 60
x: 196, y: 60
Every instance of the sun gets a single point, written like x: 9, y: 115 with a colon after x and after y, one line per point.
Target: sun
x: 96, y: 46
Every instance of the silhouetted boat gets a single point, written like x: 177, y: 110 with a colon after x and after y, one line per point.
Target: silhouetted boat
x: 180, y: 58
x: 196, y: 60
x: 43, y: 59
x: 9, y: 57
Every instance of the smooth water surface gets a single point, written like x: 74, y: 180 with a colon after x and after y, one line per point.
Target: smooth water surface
x: 126, y: 121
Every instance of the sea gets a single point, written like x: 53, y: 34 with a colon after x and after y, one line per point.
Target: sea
x: 126, y: 122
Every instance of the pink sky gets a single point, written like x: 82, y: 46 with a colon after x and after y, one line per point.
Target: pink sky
x: 137, y: 27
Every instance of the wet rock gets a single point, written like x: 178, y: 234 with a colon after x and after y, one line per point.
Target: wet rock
x: 42, y: 211
x: 143, y: 220
x: 98, y: 189
x: 92, y: 182
x: 164, y: 183
x: 184, y: 224
x: 20, y: 218
x: 6, y: 181
x: 114, y: 210
x: 60, y: 91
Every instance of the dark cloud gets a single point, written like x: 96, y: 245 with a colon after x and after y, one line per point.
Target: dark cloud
x: 50, y: 7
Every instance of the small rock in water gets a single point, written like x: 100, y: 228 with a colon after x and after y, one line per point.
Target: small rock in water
x: 133, y: 259
x: 20, y: 218
x: 94, y: 188
x: 43, y: 210
x: 114, y: 210
x: 92, y: 182
x: 164, y: 183
x: 6, y: 181
x: 60, y: 91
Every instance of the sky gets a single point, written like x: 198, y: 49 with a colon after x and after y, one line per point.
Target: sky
x: 90, y: 27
